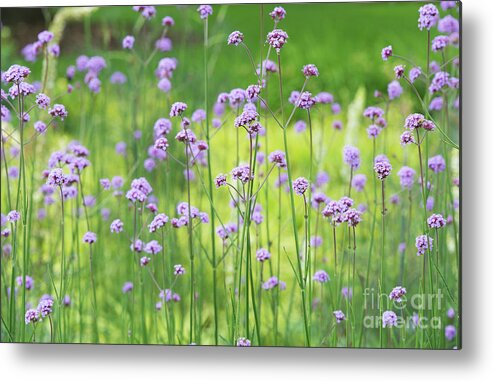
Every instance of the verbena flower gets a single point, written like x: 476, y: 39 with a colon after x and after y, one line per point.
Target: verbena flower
x: 89, y: 237
x: 428, y: 16
x: 397, y: 293
x: 448, y: 25
x: 177, y: 109
x: 339, y: 315
x: 414, y: 74
x: 351, y: 156
x: 389, y: 319
x: 159, y: 221
x: 278, y: 158
x: 300, y: 185
x: 305, y: 100
x: 422, y: 244
x: 394, y: 90
x: 373, y: 131
x: 178, y: 270
x: 399, y: 71
x: 242, y: 173
x: 436, y: 163
x: 450, y: 332
x: 359, y: 182
x: 13, y: 216
x: 243, y: 342
x: 382, y: 169
x: 235, y: 38
x: 439, y: 43
x: 16, y: 73
x: 59, y: 111
x: 277, y: 38
x: 262, y: 255
x: 204, y: 11
x: 31, y: 316
x: 220, y: 180
x: 321, y: 276
x: 278, y: 14
x: 152, y: 247
x: 310, y: 70
x: 116, y: 226
x: 436, y: 221
x: 406, y: 176
x: 127, y: 287
x: 386, y: 52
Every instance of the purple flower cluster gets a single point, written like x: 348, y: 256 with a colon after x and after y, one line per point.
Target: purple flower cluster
x: 262, y: 255
x: 235, y: 38
x: 278, y: 14
x: 277, y: 38
x: 397, y: 293
x: 159, y: 221
x: 389, y: 319
x: 436, y: 221
x: 351, y: 156
x: 436, y: 163
x: 406, y: 176
x: 300, y: 185
x: 204, y: 11
x: 339, y: 315
x: 321, y: 276
x: 428, y: 16
x: 273, y: 282
x: 382, y: 169
x: 422, y: 244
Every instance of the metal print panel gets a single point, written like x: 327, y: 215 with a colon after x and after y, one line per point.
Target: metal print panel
x: 236, y: 175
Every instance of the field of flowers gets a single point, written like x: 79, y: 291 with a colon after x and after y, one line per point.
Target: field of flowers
x: 244, y: 175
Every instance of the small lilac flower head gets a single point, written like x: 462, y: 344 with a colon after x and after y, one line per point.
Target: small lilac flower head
x: 428, y: 16
x: 450, y: 313
x: 397, y: 293
x: 252, y: 92
x: 436, y: 104
x: 448, y: 25
x: 262, y: 255
x: 351, y: 156
x: 278, y: 158
x: 29, y: 282
x: 394, y: 90
x: 305, y: 100
x: 352, y: 217
x: 177, y: 109
x: 168, y: 21
x: 324, y: 97
x: 399, y: 71
x: 13, y: 216
x: 414, y: 121
x: 153, y: 247
x: 144, y: 261
x: 422, y: 244
x: 339, y: 315
x: 220, y: 180
x: 321, y: 276
x: 436, y: 163
x: 406, y: 175
x: 31, y: 316
x: 373, y: 112
x: 436, y: 221
x: 450, y: 332
x: 382, y: 169
x: 89, y: 237
x: 56, y: 177
x: 277, y: 38
x: 204, y: 11
x: 45, y: 36
x: 159, y: 221
x: 161, y: 144
x: 242, y: 173
x: 278, y: 14
x: 243, y: 342
x: 347, y: 292
x: 373, y: 131
x: 387, y: 52
x: 310, y: 70
x: 45, y: 307
x: 116, y: 226
x: 128, y: 42
x: 16, y: 74
x: 389, y: 319
x: 43, y: 101
x: 359, y: 182
x: 414, y: 73
x: 59, y: 111
x: 300, y: 185
x: 235, y: 38
x: 178, y: 270
x: 300, y: 126
x: 127, y: 287
x: 439, y: 43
